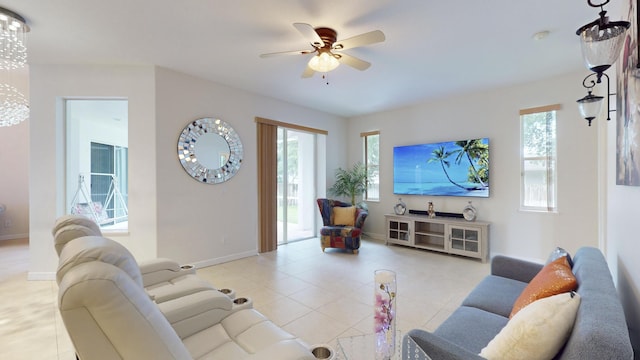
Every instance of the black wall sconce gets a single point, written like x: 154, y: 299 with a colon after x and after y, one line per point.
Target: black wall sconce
x: 590, y: 105
x: 601, y: 41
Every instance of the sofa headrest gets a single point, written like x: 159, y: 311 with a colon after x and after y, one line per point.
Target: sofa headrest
x: 97, y: 248
x: 108, y: 316
x: 72, y: 232
x: 75, y: 220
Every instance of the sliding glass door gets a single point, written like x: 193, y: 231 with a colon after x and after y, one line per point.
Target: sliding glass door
x: 296, y: 185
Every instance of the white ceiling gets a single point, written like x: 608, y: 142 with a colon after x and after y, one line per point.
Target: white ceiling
x: 432, y: 48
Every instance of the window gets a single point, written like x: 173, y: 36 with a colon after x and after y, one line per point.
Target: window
x: 372, y: 162
x: 538, y: 159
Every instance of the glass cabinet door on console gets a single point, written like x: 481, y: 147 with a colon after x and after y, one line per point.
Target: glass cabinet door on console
x: 398, y: 231
x: 464, y: 240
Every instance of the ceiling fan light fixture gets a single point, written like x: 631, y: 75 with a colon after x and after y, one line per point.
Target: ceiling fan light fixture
x: 323, y: 62
x: 327, y: 53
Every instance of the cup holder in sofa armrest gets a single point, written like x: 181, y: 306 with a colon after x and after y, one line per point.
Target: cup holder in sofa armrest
x: 187, y: 269
x: 242, y: 303
x: 322, y: 352
x: 229, y: 292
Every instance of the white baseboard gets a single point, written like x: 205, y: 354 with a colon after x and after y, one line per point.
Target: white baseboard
x: 224, y: 259
x: 378, y: 237
x: 41, y: 275
x: 13, y: 236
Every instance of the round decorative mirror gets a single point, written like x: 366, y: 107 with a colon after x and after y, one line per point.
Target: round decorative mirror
x: 210, y: 150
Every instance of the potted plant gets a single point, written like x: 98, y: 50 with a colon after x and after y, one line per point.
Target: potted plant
x: 351, y: 182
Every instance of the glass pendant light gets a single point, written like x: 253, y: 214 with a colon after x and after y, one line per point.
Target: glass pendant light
x: 589, y: 106
x: 601, y: 40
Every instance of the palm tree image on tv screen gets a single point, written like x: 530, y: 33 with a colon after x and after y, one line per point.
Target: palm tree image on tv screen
x: 451, y: 168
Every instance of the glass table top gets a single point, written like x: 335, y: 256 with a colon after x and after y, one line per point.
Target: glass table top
x: 362, y: 347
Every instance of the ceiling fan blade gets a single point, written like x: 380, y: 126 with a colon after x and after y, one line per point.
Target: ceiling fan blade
x: 371, y: 37
x: 296, y: 52
x: 310, y: 34
x: 354, y: 62
x: 308, y: 72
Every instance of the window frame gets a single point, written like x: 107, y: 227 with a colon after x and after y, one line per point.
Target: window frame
x: 368, y: 164
x: 549, y: 155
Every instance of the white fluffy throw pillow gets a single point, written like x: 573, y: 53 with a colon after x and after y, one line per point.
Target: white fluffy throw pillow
x: 538, y: 331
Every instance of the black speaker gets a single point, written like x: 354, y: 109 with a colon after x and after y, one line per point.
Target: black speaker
x: 438, y: 213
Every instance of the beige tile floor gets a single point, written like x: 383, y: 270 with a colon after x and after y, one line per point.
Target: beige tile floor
x: 317, y: 296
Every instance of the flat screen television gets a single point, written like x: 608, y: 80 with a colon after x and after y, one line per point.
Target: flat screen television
x: 451, y: 168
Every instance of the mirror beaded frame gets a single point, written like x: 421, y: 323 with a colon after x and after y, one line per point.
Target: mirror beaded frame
x: 187, y: 156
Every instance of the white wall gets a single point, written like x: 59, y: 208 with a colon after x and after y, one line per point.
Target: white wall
x: 205, y: 223
x: 14, y: 180
x: 623, y: 241
x: 170, y: 214
x: 495, y: 114
x: 51, y: 83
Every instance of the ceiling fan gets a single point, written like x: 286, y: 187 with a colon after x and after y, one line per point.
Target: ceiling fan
x: 328, y: 51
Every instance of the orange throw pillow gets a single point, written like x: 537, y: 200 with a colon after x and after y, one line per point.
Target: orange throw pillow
x: 555, y: 278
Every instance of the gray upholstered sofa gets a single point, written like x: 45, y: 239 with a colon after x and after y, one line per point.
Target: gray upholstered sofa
x: 599, y: 331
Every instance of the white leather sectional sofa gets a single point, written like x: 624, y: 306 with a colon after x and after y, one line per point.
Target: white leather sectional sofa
x: 163, y: 279
x: 113, y: 308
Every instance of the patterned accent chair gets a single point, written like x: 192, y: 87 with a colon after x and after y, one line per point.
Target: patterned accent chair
x: 341, y: 228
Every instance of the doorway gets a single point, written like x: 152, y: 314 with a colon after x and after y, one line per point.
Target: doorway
x: 96, y: 146
x: 296, y: 171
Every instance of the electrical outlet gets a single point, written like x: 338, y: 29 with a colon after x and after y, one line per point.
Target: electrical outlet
x: 7, y: 223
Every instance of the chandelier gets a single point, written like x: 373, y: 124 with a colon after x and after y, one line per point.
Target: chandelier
x: 14, y: 107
